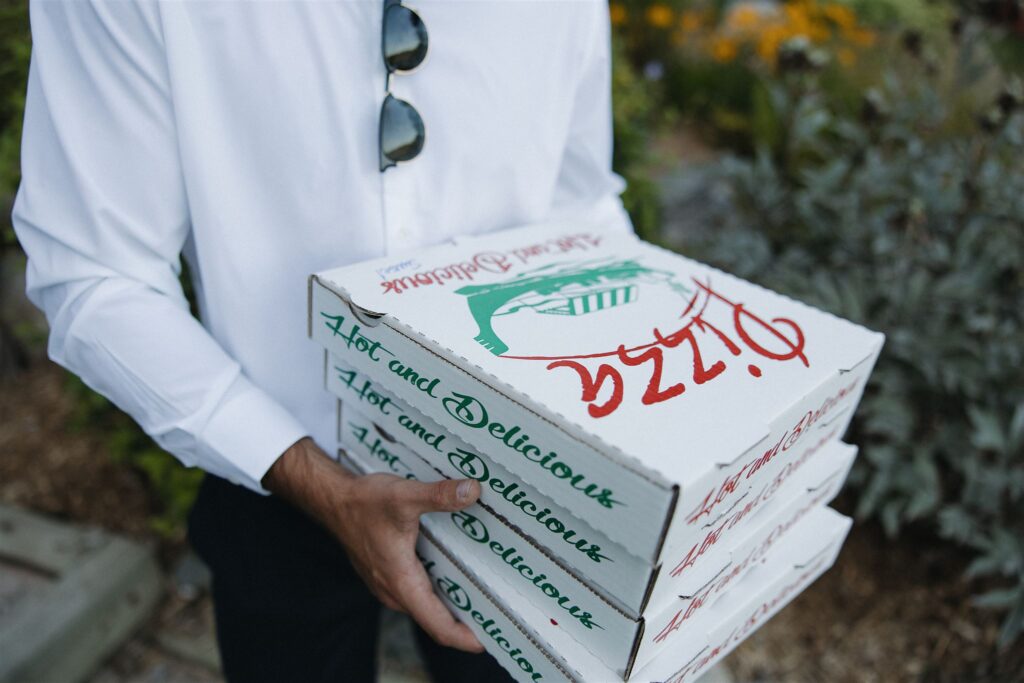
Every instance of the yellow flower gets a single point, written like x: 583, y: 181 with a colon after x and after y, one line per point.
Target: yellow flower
x: 818, y: 33
x: 860, y: 37
x: 796, y: 12
x: 768, y: 45
x: 743, y: 18
x: 660, y: 16
x: 799, y: 24
x: 846, y: 56
x: 691, y: 21
x: 617, y: 13
x: 840, y: 15
x: 723, y: 49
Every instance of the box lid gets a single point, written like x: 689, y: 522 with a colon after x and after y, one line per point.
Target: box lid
x: 613, y: 338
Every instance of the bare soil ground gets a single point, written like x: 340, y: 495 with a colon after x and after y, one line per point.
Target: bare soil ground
x: 47, y: 466
x: 887, y: 612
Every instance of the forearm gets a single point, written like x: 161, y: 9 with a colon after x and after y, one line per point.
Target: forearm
x: 140, y: 347
x: 306, y: 477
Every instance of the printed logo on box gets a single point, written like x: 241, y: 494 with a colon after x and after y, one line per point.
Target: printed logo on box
x: 704, y: 317
x: 559, y: 290
x: 705, y: 322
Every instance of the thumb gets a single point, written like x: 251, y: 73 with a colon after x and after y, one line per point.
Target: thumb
x: 446, y: 496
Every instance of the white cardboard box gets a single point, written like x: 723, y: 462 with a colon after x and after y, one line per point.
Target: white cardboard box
x: 524, y: 642
x: 641, y: 389
x: 631, y: 584
x: 485, y: 539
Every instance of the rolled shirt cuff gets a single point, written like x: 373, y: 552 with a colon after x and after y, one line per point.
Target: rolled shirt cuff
x: 246, y: 434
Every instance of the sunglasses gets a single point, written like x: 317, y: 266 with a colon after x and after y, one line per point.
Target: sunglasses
x: 404, y: 47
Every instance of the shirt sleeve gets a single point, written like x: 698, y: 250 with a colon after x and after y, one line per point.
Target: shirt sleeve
x: 102, y: 215
x: 585, y: 178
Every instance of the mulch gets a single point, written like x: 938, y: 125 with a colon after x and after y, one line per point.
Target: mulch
x: 49, y: 467
x: 888, y: 611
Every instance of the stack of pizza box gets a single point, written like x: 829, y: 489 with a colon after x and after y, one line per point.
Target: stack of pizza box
x: 656, y: 441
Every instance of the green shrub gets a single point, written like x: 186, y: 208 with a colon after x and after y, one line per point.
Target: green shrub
x: 636, y: 116
x: 172, y: 485
x: 906, y: 220
x: 15, y: 48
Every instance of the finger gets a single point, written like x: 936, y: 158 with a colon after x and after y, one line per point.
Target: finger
x: 433, y: 617
x: 443, y: 496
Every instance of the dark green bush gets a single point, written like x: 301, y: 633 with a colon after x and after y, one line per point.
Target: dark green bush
x: 15, y: 47
x: 911, y: 221
x: 172, y: 485
x: 636, y: 115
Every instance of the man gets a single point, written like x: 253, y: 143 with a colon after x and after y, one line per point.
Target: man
x: 251, y: 137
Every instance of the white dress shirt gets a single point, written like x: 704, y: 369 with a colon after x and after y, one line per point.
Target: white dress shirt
x: 243, y: 134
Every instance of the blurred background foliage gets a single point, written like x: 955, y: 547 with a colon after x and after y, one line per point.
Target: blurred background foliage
x: 870, y: 161
x: 868, y: 157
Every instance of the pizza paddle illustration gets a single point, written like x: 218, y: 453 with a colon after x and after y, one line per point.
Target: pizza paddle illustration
x: 570, y: 290
x: 575, y: 329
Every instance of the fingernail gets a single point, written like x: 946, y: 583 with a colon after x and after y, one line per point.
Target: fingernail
x: 464, y: 489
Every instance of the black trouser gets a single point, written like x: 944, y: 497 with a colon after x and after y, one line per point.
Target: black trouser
x: 288, y: 604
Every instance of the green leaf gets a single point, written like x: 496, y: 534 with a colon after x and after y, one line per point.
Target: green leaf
x: 1003, y: 597
x: 988, y: 432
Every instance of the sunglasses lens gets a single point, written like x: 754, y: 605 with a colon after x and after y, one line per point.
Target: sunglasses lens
x: 405, y: 39
x: 401, y: 132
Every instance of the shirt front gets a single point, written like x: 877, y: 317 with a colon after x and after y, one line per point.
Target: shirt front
x: 243, y: 133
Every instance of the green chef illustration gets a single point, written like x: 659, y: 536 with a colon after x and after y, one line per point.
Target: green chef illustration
x: 572, y: 289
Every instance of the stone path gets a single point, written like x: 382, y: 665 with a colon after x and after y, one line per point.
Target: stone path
x: 71, y: 596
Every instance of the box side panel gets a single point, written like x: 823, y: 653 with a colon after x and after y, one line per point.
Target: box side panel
x: 817, y: 418
x: 485, y: 542
x: 761, y: 595
x: 820, y: 466
x: 674, y: 622
x: 605, y: 563
x: 629, y: 507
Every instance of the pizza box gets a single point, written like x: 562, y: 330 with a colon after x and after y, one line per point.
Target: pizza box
x: 484, y: 538
x: 645, y: 391
x: 523, y: 639
x: 637, y: 587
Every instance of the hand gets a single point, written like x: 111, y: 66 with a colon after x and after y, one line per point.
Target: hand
x: 376, y: 518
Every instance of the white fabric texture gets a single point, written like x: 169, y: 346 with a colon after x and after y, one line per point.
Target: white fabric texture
x: 243, y: 134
